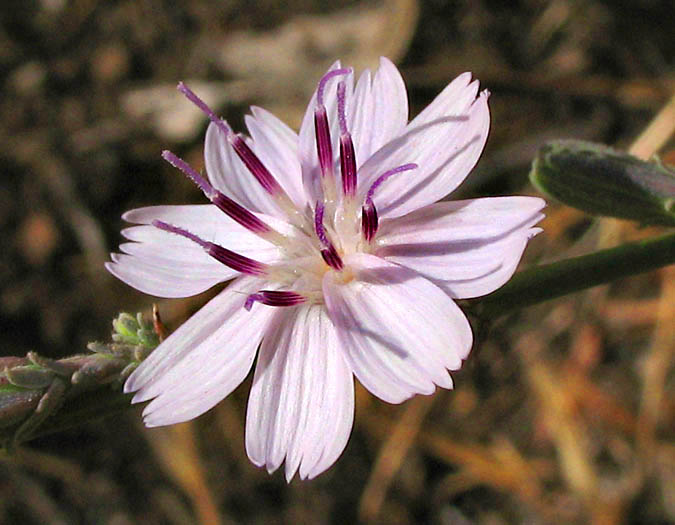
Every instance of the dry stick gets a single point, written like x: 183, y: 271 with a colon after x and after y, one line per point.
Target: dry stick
x: 655, y: 371
x: 656, y: 134
x: 177, y: 449
x: 391, y: 455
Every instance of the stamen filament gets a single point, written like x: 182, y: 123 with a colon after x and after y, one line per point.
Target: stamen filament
x: 244, y: 152
x: 237, y: 262
x: 318, y: 224
x: 347, y: 153
x: 332, y: 258
x: 329, y: 253
x: 324, y: 80
x: 386, y: 175
x: 369, y: 218
x: 324, y: 149
x: 341, y: 102
x: 192, y: 97
x: 324, y: 145
x: 348, y: 166
x: 274, y: 298
x: 254, y: 165
x: 231, y: 208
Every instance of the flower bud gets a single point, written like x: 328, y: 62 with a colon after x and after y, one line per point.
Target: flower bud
x: 131, y: 330
x: 601, y: 181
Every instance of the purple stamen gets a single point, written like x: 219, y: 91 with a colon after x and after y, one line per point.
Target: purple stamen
x: 252, y: 162
x: 255, y: 166
x: 348, y: 165
x: 180, y: 231
x: 369, y: 220
x: 240, y: 214
x: 228, y: 206
x: 342, y: 114
x: 191, y: 173
x: 332, y: 258
x: 318, y: 224
x: 347, y: 153
x: 274, y: 298
x: 385, y: 176
x: 324, y: 80
x: 329, y: 253
x: 324, y: 146
x: 237, y: 262
x: 192, y: 97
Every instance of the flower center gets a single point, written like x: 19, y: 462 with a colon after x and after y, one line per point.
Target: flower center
x: 318, y: 244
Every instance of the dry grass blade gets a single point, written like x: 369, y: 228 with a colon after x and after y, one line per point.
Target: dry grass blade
x: 556, y: 407
x: 176, y: 449
x: 391, y: 455
x: 658, y: 363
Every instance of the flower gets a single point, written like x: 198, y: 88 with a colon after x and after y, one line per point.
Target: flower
x: 337, y: 233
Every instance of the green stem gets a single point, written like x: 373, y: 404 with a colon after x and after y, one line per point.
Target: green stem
x: 549, y: 281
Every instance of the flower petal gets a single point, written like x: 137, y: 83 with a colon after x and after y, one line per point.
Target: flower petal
x: 446, y: 243
x: 399, y: 330
x: 451, y: 101
x: 301, y: 405
x: 506, y: 251
x: 167, y: 265
x: 163, y: 278
x: 378, y: 111
x: 276, y: 145
x: 462, y: 220
x: 203, y: 361
x: 445, y: 149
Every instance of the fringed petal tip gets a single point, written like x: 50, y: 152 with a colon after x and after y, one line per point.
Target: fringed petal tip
x: 301, y: 404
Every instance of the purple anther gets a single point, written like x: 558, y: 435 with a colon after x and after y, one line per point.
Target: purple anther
x: 255, y: 166
x: 274, y: 298
x: 385, y: 176
x: 369, y: 220
x: 237, y: 262
x: 324, y: 147
x: 240, y: 214
x: 347, y: 153
x: 332, y: 258
x: 192, y: 97
x: 224, y: 203
x: 348, y: 165
x: 324, y: 79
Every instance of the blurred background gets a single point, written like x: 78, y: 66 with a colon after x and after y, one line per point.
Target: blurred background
x: 564, y: 414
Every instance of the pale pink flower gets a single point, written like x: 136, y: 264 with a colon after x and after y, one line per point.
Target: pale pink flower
x: 337, y: 233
